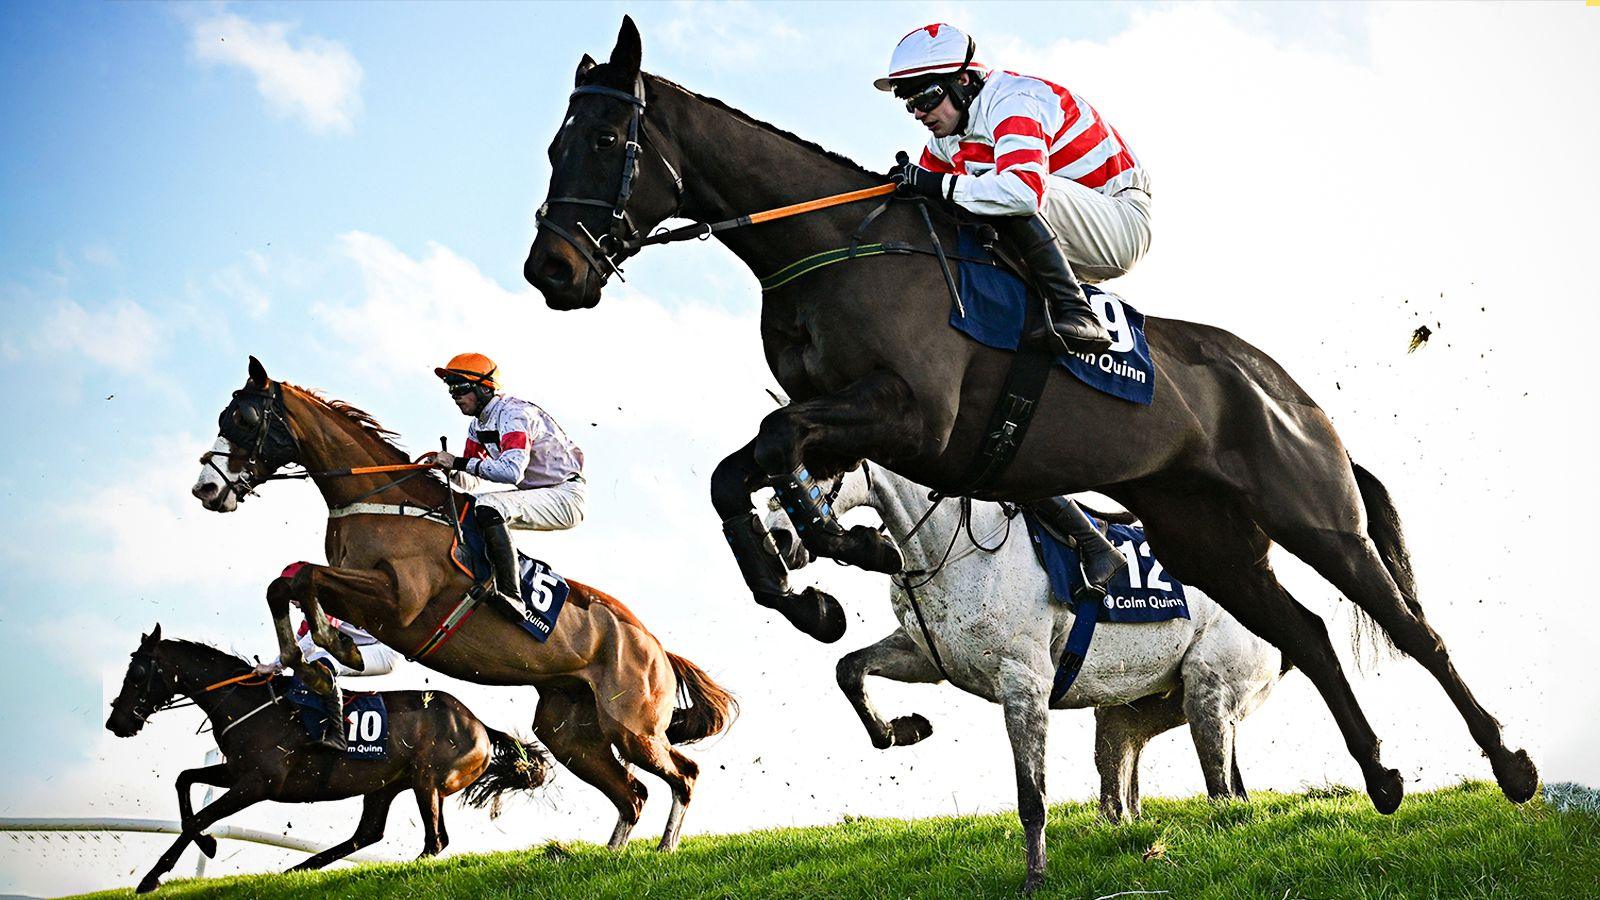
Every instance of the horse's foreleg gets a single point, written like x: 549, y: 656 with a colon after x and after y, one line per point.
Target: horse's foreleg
x: 897, y: 658
x: 369, y: 831
x: 217, y: 776
x: 1024, y: 692
x: 226, y: 805
x: 278, y: 594
x: 876, y: 417
x: 305, y: 585
x: 812, y: 611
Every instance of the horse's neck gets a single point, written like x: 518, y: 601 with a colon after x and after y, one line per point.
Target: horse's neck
x: 330, y: 440
x: 733, y: 168
x: 198, y: 667
x: 902, y: 504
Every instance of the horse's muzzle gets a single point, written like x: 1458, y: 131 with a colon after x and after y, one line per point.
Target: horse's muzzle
x: 565, y: 280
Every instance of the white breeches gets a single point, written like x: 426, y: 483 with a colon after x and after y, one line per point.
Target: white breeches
x: 377, y: 659
x: 554, y: 508
x: 1102, y: 236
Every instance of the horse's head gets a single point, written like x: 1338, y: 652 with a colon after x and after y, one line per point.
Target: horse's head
x: 253, y: 441
x: 149, y: 685
x: 610, y: 181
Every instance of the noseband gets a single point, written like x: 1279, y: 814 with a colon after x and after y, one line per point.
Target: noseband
x: 146, y: 705
x: 621, y: 238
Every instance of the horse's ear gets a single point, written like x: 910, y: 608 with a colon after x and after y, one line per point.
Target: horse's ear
x: 584, y: 65
x: 155, y: 635
x: 627, y: 54
x: 258, y: 373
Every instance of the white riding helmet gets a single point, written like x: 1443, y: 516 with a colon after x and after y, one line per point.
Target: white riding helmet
x: 931, y: 50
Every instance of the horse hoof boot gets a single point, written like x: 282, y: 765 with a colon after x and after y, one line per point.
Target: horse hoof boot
x: 207, y: 845
x: 910, y: 729
x: 1518, y: 777
x: 1386, y: 790
x: 813, y: 612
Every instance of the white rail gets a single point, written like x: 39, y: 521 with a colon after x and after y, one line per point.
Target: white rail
x: 164, y: 826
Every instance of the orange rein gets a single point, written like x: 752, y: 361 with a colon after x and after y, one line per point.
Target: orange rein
x: 237, y: 679
x: 783, y: 212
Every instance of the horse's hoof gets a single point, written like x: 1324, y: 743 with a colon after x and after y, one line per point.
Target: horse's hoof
x: 1386, y: 790
x: 1517, y: 775
x: 1034, y: 881
x: 873, y: 551
x: 910, y: 729
x: 147, y: 885
x: 207, y: 845
x: 811, y: 611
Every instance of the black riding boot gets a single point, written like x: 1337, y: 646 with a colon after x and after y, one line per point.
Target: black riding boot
x: 1099, y: 560
x: 333, y: 726
x: 1068, y: 321
x: 502, y: 554
x: 811, y: 611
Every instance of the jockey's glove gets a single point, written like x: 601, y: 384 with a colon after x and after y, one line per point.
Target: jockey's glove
x: 915, y: 180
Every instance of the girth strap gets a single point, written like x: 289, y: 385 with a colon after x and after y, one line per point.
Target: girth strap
x: 390, y: 509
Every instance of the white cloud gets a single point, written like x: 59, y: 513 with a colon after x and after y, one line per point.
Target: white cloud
x: 123, y: 337
x: 732, y: 35
x: 313, y: 78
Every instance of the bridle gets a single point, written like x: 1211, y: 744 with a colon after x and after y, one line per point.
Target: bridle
x: 261, y: 437
x: 147, y: 705
x: 621, y: 237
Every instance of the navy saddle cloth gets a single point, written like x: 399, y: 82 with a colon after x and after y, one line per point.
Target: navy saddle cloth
x: 1142, y: 592
x: 366, y: 719
x: 997, y: 303
x: 544, y: 593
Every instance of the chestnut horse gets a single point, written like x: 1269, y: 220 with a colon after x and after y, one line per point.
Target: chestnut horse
x: 604, y: 680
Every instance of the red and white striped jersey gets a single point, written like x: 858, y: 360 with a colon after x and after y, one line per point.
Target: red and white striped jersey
x: 1021, y: 129
x: 515, y: 442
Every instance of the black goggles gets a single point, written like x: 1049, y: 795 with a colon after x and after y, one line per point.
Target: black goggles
x: 927, y: 99
x: 459, y: 387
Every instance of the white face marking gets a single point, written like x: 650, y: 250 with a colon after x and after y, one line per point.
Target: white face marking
x: 213, y: 487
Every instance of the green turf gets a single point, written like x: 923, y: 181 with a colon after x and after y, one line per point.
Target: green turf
x: 1466, y: 841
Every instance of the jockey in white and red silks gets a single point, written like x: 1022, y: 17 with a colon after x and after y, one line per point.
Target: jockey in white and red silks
x: 511, y: 442
x: 1063, y: 186
x: 1055, y: 179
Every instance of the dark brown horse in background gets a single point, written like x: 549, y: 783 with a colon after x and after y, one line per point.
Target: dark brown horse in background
x: 607, y: 688
x: 1231, y: 456
x: 436, y: 748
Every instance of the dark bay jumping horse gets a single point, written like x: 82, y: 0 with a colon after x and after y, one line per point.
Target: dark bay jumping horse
x: 1231, y: 455
x: 604, y: 680
x: 436, y: 748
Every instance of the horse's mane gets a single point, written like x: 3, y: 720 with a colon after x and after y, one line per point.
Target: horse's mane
x: 362, y: 419
x: 201, y: 649
x: 748, y: 119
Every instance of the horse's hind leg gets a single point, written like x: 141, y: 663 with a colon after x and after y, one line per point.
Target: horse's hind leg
x: 896, y: 658
x: 652, y: 753
x: 1119, y: 738
x: 369, y: 831
x: 1212, y: 733
x: 431, y: 807
x: 569, y: 730
x: 1215, y: 547
x: 1348, y: 558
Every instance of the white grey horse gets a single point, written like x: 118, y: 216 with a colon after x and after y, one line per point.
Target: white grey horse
x: 997, y: 633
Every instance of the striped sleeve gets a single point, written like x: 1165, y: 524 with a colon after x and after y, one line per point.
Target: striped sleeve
x: 1015, y: 187
x: 933, y: 162
x: 512, y: 463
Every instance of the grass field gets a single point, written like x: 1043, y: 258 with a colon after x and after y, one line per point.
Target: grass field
x: 1466, y: 841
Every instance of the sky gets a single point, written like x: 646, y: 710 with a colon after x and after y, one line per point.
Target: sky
x: 347, y: 190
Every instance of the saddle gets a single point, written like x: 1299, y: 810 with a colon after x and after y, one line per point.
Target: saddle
x: 543, y: 592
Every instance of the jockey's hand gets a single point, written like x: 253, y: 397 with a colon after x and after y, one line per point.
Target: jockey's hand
x: 443, y: 459
x: 267, y: 669
x: 917, y: 181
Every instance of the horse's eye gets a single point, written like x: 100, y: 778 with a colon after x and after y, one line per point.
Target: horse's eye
x: 604, y: 140
x: 248, y: 416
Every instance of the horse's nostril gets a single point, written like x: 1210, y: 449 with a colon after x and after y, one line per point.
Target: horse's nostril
x: 204, y: 491
x: 555, y: 272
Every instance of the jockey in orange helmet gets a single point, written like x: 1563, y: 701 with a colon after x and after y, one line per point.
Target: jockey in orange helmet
x: 1060, y: 185
x: 1063, y: 187
x: 511, y: 442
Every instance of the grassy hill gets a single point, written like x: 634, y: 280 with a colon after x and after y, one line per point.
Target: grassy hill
x: 1460, y: 842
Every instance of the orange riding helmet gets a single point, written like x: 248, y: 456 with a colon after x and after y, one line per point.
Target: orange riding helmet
x: 473, y: 367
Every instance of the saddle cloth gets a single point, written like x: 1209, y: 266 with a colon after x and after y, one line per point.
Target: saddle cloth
x: 366, y: 719
x: 996, y: 303
x: 544, y: 593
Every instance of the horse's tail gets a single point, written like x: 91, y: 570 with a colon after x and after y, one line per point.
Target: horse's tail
x: 704, y: 708
x: 515, y: 766
x: 1383, y: 527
